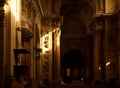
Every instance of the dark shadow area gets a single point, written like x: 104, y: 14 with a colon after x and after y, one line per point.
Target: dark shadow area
x: 73, y: 65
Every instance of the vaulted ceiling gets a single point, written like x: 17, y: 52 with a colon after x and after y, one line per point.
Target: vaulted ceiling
x: 77, y: 16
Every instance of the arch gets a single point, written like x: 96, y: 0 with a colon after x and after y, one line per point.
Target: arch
x: 72, y: 66
x: 76, y: 18
x: 73, y: 57
x: 64, y: 9
x: 75, y: 7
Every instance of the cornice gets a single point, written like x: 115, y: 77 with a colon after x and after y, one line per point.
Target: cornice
x: 102, y: 16
x: 107, y: 14
x: 51, y: 21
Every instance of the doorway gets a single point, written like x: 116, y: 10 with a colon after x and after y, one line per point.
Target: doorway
x: 72, y: 66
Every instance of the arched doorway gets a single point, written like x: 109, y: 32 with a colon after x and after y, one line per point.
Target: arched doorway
x: 73, y: 66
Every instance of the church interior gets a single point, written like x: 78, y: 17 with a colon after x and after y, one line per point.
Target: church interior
x: 61, y: 43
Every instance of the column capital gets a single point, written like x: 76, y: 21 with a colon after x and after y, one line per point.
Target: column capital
x: 98, y: 23
x: 99, y: 28
x: 47, y: 21
x: 51, y: 21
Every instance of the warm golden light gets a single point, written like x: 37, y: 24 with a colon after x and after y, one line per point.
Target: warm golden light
x: 18, y: 10
x: 108, y: 63
x: 68, y: 72
x: 5, y: 7
x: 99, y: 68
x: 45, y: 43
x: 58, y: 39
x: 15, y: 9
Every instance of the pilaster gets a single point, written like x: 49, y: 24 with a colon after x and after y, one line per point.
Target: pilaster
x: 98, y: 61
x: 51, y: 27
x: 110, y: 6
x: 97, y: 54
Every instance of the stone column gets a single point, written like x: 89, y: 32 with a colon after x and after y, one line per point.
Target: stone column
x: 97, y: 53
x: 57, y: 55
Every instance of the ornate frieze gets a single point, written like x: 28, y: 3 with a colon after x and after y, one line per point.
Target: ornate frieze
x: 46, y: 41
x: 97, y: 23
x: 51, y: 21
x: 47, y: 21
x: 56, y: 21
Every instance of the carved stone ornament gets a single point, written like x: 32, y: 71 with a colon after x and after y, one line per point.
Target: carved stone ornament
x: 26, y: 33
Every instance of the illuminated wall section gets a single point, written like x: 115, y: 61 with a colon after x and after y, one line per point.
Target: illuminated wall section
x: 15, y: 8
x: 110, y: 6
x: 46, y: 56
x: 57, y: 53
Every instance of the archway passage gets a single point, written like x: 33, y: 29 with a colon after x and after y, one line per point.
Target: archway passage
x: 73, y: 66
